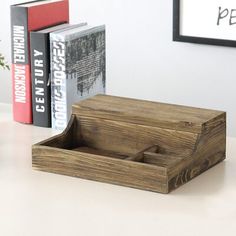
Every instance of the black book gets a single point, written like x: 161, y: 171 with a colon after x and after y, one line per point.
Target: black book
x: 40, y: 75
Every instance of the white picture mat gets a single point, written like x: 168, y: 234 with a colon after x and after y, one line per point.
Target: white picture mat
x: 198, y: 18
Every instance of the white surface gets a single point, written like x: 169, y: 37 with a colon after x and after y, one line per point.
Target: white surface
x: 199, y: 18
x: 34, y: 203
x: 142, y: 60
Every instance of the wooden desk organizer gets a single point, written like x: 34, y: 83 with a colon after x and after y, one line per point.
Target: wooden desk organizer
x: 145, y: 145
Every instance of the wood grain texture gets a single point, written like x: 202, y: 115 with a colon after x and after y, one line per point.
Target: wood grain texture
x: 104, y: 169
x: 133, y: 147
x: 135, y: 111
x: 210, y: 150
x: 131, y: 138
x: 101, y: 152
x: 67, y: 139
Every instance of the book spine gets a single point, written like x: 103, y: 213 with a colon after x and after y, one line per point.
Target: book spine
x: 40, y: 72
x: 58, y: 82
x: 22, y: 111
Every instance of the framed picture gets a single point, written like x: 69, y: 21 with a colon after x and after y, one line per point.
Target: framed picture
x: 205, y: 21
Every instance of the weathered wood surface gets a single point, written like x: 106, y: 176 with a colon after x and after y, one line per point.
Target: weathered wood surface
x: 140, y: 155
x: 101, y: 152
x: 99, y: 146
x: 100, y: 168
x: 210, y: 150
x: 67, y: 139
x: 142, y: 112
x: 131, y: 138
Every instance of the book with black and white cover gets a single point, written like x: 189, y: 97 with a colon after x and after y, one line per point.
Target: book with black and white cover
x: 40, y: 74
x: 78, y: 69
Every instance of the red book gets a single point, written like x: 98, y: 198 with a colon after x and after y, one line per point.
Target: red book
x: 27, y: 17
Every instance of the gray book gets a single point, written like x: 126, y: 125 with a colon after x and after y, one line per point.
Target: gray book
x: 78, y: 69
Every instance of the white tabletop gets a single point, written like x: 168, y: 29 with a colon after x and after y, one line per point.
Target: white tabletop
x: 34, y: 203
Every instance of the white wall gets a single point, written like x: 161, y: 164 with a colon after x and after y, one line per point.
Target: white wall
x: 142, y: 60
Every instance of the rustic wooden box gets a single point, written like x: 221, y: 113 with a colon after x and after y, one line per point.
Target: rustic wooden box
x: 140, y: 144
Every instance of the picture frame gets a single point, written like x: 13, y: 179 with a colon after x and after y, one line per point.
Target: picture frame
x: 216, y: 24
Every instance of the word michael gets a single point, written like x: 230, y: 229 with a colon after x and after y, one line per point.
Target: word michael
x: 39, y: 81
x: 59, y: 84
x: 226, y: 14
x: 19, y: 61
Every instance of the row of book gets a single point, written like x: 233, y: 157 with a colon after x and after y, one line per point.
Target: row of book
x: 54, y: 63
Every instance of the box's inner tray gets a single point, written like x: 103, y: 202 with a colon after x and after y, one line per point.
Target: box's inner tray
x: 149, y: 155
x: 87, y: 136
